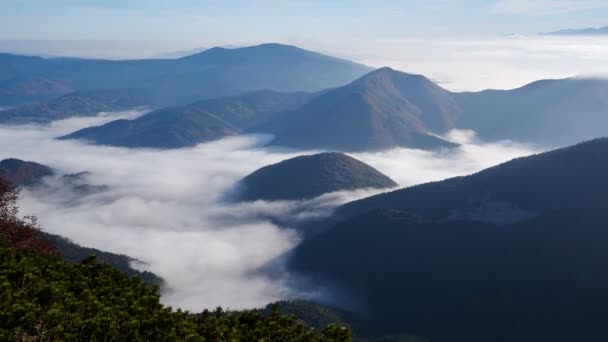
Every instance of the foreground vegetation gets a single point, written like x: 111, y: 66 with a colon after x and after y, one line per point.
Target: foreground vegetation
x: 43, y: 298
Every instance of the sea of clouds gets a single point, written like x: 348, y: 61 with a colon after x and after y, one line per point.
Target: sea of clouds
x: 479, y: 62
x: 171, y: 208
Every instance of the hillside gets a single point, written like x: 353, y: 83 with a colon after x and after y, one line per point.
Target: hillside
x: 19, y: 232
x: 21, y: 172
x: 310, y: 176
x: 381, y: 110
x: 45, y: 298
x: 73, y: 253
x: 550, y: 113
x: 75, y: 104
x: 195, y: 123
x: 17, y: 91
x: 213, y: 73
x: 27, y: 173
x: 89, y: 301
x: 512, y: 253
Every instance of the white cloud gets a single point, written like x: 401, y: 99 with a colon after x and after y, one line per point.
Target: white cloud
x: 546, y: 7
x: 167, y: 208
x: 486, y: 62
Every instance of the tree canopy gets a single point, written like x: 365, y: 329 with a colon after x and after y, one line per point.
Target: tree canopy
x: 43, y: 298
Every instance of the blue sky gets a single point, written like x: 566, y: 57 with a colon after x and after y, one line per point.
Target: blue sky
x: 239, y: 21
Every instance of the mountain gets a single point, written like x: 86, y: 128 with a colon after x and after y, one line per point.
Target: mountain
x: 579, y: 32
x: 21, y: 172
x: 318, y: 316
x: 513, y: 253
x: 74, y: 253
x: 310, y: 176
x: 25, y: 173
x: 217, y: 72
x: 195, y: 123
x: 551, y: 113
x: 381, y: 110
x: 16, y: 91
x: 74, y: 104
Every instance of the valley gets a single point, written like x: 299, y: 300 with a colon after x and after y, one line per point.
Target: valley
x: 269, y: 192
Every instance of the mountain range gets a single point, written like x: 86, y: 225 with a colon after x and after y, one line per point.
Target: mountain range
x: 70, y: 105
x: 309, y: 176
x: 213, y: 73
x: 512, y: 253
x: 195, y: 123
x: 515, y: 252
x: 551, y: 113
x: 381, y: 110
x: 591, y: 31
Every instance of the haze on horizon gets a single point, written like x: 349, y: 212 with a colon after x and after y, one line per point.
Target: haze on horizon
x: 462, y: 44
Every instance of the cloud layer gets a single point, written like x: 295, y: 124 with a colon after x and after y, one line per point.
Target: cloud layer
x: 479, y: 62
x: 169, y: 208
x: 546, y: 7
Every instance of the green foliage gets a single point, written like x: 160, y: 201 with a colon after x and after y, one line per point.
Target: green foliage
x: 312, y: 314
x: 43, y: 298
x: 320, y: 316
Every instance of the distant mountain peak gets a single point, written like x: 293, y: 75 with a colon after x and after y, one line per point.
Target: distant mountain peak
x: 213, y: 73
x: 380, y: 110
x: 266, y: 47
x: 387, y: 77
x: 276, y: 45
x: 590, y: 31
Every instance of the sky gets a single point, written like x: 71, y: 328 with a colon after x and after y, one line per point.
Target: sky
x: 221, y: 22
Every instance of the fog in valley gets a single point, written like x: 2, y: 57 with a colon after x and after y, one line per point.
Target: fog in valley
x: 171, y: 208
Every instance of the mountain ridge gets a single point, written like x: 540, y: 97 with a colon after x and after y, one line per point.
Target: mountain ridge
x: 382, y: 109
x: 447, y: 256
x: 169, y: 82
x: 589, y: 31
x: 195, y: 123
x: 309, y: 176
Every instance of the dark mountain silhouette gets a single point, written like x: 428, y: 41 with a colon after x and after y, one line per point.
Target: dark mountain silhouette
x: 310, y: 176
x: 513, y: 253
x: 195, y: 123
x: 381, y: 110
x: 591, y: 31
x: 75, y: 104
x: 548, y: 113
x: 318, y: 316
x: 21, y: 172
x: 216, y: 72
